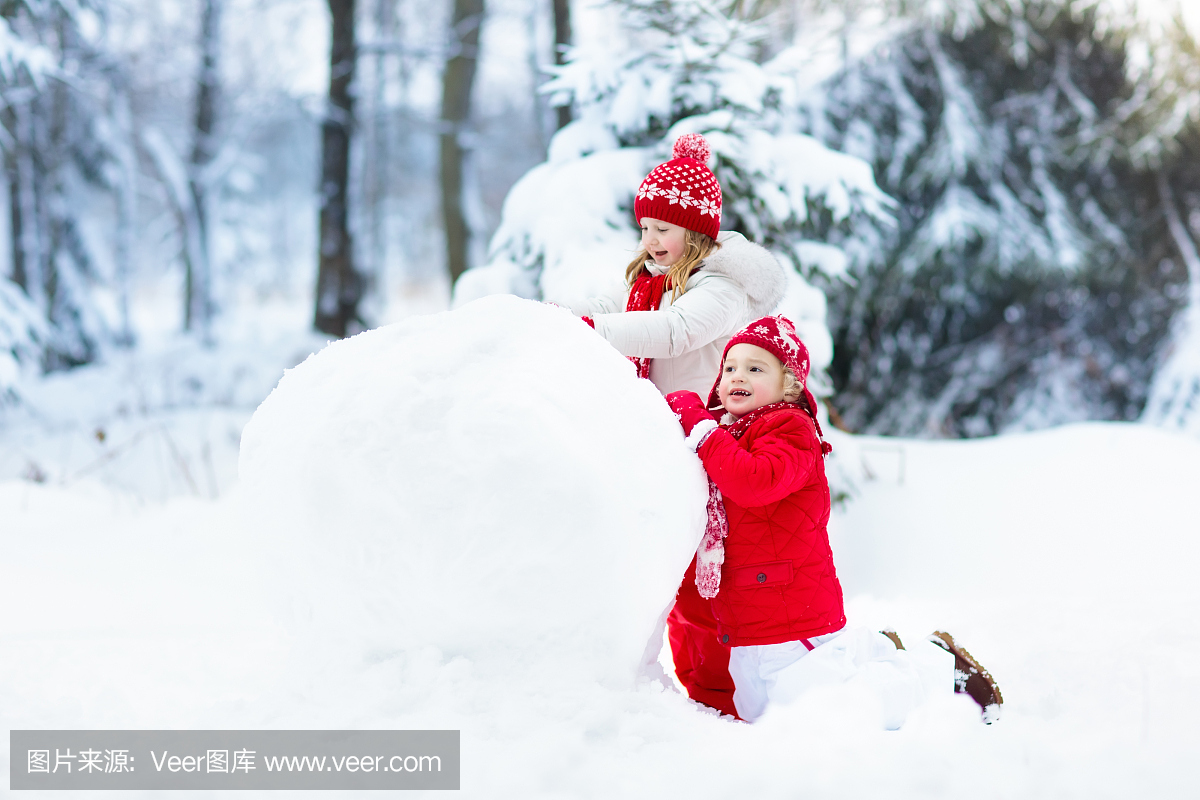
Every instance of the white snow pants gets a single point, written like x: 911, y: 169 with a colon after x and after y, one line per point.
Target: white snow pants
x: 781, y: 673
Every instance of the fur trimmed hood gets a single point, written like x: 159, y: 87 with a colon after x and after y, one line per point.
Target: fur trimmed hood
x: 753, y: 268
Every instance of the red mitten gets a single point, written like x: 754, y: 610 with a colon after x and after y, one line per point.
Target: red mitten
x: 690, y: 410
x: 589, y: 321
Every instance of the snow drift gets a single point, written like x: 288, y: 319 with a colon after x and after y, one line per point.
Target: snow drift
x: 419, y: 558
x: 490, y: 477
x: 1064, y: 559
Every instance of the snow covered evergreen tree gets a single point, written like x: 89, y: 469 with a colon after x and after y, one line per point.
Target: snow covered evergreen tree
x: 1029, y: 280
x: 1166, y: 138
x: 568, y: 229
x: 52, y: 88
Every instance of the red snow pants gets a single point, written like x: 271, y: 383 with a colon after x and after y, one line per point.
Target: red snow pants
x: 701, y: 661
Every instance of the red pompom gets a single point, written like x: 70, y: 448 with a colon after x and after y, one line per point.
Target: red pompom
x: 692, y: 145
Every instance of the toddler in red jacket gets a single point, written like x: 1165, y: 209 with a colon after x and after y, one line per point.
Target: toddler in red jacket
x: 765, y: 560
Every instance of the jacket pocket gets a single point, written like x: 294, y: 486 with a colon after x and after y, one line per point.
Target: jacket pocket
x: 770, y: 573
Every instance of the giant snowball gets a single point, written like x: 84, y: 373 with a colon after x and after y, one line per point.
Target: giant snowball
x: 490, y: 477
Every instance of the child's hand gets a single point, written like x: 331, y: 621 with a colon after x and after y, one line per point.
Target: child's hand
x: 689, y: 409
x: 588, y: 320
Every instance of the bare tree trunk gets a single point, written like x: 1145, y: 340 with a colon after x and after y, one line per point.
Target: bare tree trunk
x: 27, y: 239
x: 198, y: 302
x: 457, y: 81
x: 50, y: 154
x: 339, y: 285
x: 16, y: 185
x: 126, y: 190
x: 538, y: 100
x: 376, y: 161
x: 562, y: 38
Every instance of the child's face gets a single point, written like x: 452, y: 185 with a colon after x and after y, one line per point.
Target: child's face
x: 663, y: 241
x: 750, y: 378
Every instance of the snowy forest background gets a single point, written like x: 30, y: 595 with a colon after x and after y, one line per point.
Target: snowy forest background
x: 992, y: 206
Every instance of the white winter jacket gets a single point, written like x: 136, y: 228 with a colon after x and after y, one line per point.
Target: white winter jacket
x: 735, y: 285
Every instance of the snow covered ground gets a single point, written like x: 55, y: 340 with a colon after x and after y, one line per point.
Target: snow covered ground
x: 1063, y: 559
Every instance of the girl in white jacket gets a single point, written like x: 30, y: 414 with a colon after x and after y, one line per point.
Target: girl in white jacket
x: 689, y: 289
x: 691, y: 286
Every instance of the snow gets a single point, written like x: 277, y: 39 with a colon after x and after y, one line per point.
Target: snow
x: 822, y: 257
x: 17, y: 54
x: 497, y: 501
x: 495, y: 562
x: 160, y: 420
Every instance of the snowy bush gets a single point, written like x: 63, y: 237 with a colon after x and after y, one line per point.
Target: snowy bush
x: 567, y: 229
x: 23, y: 332
x: 487, y: 479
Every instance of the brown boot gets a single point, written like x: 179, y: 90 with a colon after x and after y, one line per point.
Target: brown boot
x: 894, y: 637
x: 971, y: 677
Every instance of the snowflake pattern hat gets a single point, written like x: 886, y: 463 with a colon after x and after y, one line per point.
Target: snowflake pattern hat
x: 776, y: 335
x: 682, y: 191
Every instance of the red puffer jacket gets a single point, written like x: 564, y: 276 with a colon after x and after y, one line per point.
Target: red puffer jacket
x: 778, y: 583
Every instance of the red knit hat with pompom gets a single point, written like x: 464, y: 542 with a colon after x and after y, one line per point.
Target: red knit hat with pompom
x: 777, y: 335
x: 682, y: 191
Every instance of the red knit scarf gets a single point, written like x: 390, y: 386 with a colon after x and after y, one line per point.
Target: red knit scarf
x: 739, y: 426
x: 646, y: 295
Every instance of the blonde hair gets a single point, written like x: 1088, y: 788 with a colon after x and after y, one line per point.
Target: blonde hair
x: 793, y: 389
x: 697, y: 247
